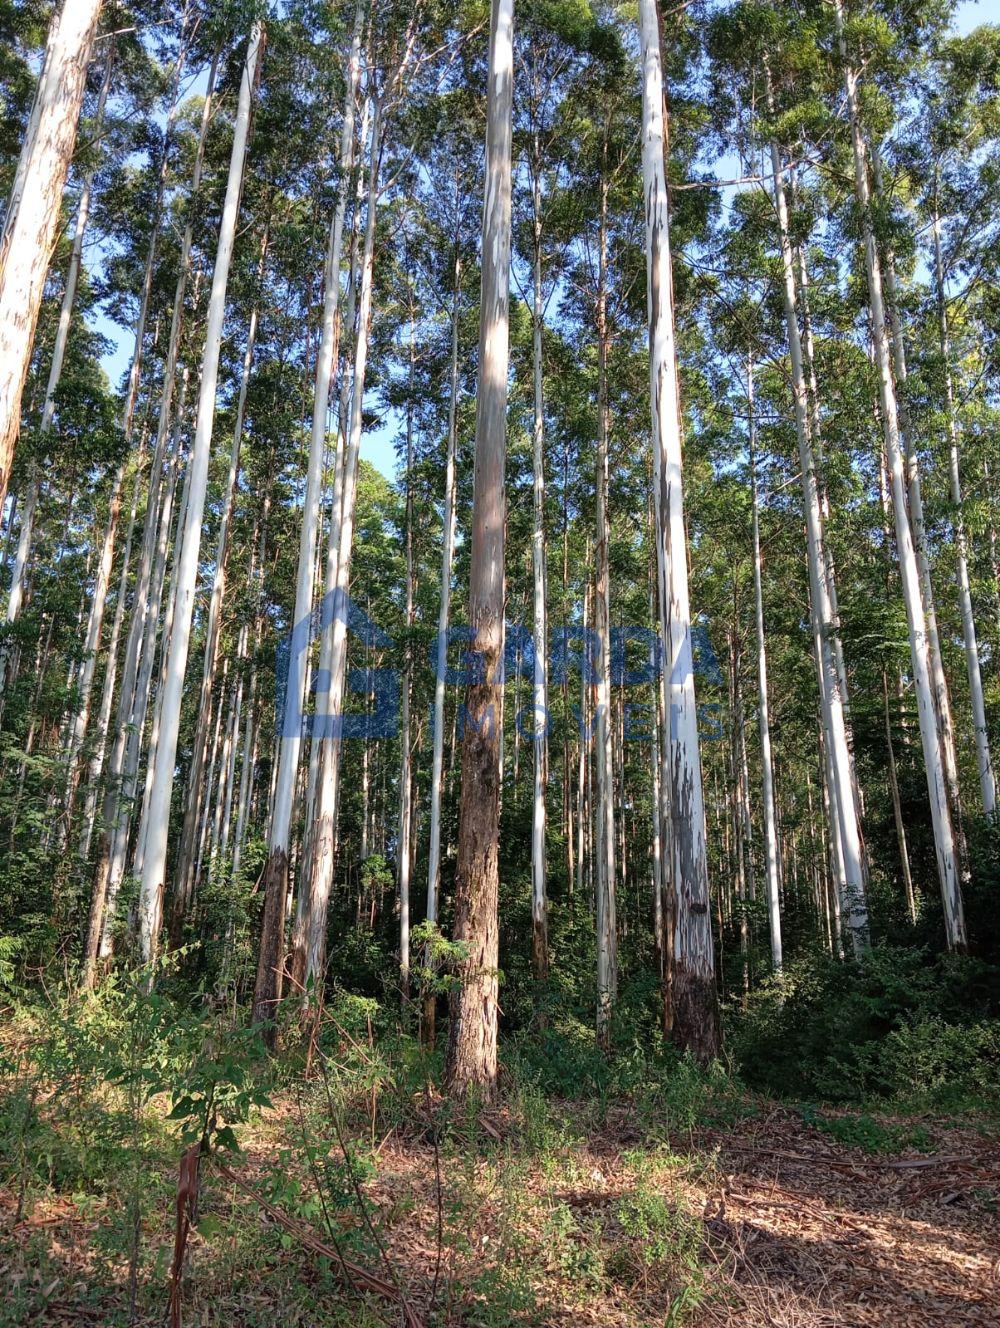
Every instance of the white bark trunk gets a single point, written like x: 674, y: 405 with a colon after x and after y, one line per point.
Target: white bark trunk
x: 540, y: 719
x: 335, y: 605
x: 842, y: 799
x: 137, y: 625
x: 987, y: 784
x: 184, y: 883
x: 695, y: 1009
x: 269, y: 973
x: 914, y: 493
x: 763, y: 712
x: 605, y: 883
x: 15, y: 598
x: 154, y: 865
x: 405, y: 736
x: 944, y: 840
x: 32, y: 224
x: 447, y: 554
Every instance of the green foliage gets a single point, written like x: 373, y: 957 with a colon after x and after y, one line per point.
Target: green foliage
x: 900, y: 1024
x: 866, y: 1133
x: 220, y: 1087
x: 440, y: 959
x: 576, y: 1249
x: 10, y: 948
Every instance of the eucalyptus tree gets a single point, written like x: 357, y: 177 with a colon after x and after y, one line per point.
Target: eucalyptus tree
x: 33, y: 210
x: 185, y: 864
x: 953, y: 143
x: 751, y: 40
x: 696, y: 1021
x: 594, y: 212
x: 944, y: 836
x: 137, y: 655
x: 16, y: 594
x: 276, y: 872
x: 155, y: 849
x: 389, y: 67
x: 448, y: 207
x: 552, y: 40
x: 472, y: 1034
x: 763, y: 702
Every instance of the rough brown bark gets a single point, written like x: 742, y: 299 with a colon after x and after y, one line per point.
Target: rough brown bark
x: 472, y: 1042
x: 270, y: 957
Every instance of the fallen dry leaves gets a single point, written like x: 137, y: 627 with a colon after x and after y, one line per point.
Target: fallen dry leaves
x: 799, y: 1230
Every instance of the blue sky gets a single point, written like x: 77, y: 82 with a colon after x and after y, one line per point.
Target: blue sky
x: 379, y: 445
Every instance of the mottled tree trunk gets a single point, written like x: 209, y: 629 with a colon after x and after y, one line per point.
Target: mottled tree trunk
x: 696, y: 1020
x: 605, y: 883
x: 472, y: 1041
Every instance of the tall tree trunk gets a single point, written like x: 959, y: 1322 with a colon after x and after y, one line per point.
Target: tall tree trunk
x: 846, y: 831
x: 270, y: 965
x: 582, y: 747
x: 915, y: 503
x: 944, y: 840
x: 139, y: 607
x: 32, y: 224
x: 183, y: 874
x: 441, y: 670
x: 472, y: 1041
x: 987, y: 783
x: 897, y: 810
x: 155, y: 859
x: 816, y: 434
x: 157, y: 588
x: 763, y: 707
x: 146, y: 691
x: 605, y: 882
x: 15, y: 598
x: 540, y: 718
x: 309, y: 952
x: 696, y: 1020
x: 405, y: 735
x: 102, y: 889
x: 737, y: 868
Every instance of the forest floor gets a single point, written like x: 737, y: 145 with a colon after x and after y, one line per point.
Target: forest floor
x: 538, y: 1212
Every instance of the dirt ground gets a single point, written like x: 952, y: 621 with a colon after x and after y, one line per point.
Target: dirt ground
x: 767, y: 1221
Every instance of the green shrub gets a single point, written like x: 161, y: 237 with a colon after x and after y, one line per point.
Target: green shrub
x: 897, y: 1024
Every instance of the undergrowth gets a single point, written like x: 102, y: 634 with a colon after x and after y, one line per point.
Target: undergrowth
x: 502, y: 1210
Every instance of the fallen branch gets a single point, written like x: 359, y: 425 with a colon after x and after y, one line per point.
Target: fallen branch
x: 360, y: 1279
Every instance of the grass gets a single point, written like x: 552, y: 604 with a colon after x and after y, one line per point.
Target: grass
x: 547, y: 1208
x: 492, y: 1217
